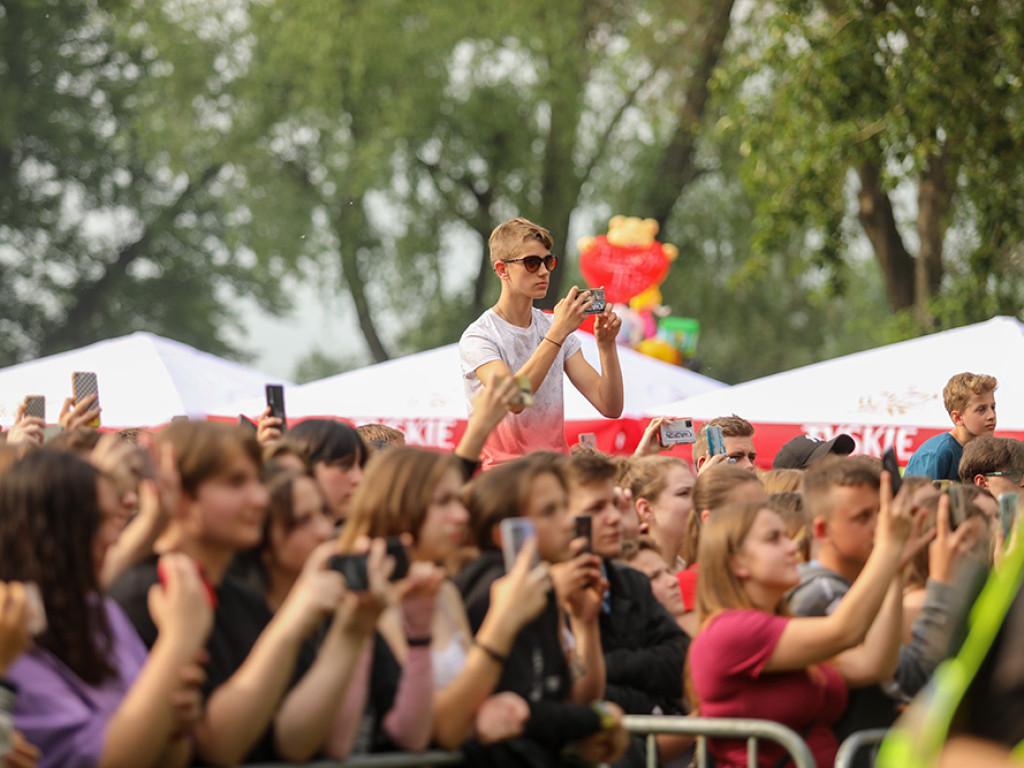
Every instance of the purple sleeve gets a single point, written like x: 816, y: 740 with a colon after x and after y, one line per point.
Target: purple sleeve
x: 63, y: 716
x: 740, y: 642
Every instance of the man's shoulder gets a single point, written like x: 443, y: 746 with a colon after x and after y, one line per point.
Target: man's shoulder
x: 819, y: 591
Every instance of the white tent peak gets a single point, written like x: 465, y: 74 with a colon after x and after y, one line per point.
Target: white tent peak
x: 898, y: 384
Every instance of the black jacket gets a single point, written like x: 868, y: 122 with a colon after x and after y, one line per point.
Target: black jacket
x: 644, y: 648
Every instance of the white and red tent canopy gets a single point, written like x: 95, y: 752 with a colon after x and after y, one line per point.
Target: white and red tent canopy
x: 144, y: 381
x: 422, y: 395
x: 891, y: 395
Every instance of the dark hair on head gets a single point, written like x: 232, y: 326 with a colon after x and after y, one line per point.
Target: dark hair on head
x: 80, y: 440
x: 590, y: 466
x: 204, y: 449
x: 276, y: 450
x: 504, y: 492
x: 131, y: 434
x: 49, y: 516
x: 328, y: 441
x: 990, y: 454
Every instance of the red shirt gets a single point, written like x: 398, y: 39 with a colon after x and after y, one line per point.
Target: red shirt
x: 727, y: 661
x: 687, y: 579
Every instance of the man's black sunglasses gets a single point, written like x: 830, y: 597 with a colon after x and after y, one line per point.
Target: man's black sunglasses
x: 532, y: 263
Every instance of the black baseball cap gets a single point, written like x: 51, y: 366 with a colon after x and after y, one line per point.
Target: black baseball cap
x: 802, y: 450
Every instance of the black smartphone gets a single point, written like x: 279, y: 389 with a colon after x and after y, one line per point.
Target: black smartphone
x: 275, y: 401
x: 957, y: 505
x: 83, y: 384
x: 890, y: 465
x: 353, y: 568
x: 584, y: 530
x: 396, y: 549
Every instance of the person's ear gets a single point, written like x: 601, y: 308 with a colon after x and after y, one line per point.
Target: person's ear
x: 704, y: 515
x: 501, y: 269
x: 738, y: 566
x: 643, y: 508
x: 981, y: 481
x: 818, y: 526
x: 701, y: 461
x: 957, y: 417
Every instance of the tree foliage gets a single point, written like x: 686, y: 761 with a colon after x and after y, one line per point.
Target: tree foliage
x: 911, y: 110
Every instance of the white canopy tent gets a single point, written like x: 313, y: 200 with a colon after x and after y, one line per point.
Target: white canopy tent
x: 422, y: 394
x: 144, y: 380
x: 891, y: 395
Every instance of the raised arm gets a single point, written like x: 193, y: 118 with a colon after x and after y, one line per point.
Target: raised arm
x: 603, y: 390
x: 240, y: 709
x: 807, y: 641
x: 145, y: 721
x: 516, y: 599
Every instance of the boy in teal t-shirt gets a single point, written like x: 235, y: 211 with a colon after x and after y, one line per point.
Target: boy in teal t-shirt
x: 970, y: 400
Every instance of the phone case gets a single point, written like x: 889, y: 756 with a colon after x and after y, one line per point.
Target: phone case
x: 716, y: 443
x: 35, y: 406
x: 84, y: 384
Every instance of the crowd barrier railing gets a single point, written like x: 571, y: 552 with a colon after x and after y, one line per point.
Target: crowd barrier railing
x: 649, y: 725
x: 719, y: 727
x: 855, y: 742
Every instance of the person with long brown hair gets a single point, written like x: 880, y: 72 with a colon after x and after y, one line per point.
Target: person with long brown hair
x: 89, y: 695
x: 750, y: 658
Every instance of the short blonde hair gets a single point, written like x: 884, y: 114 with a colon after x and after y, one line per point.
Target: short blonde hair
x: 507, y: 239
x: 959, y: 388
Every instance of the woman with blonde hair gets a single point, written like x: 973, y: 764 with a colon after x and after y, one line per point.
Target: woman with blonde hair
x: 750, y: 658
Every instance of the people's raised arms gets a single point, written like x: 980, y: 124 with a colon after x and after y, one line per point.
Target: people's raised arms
x: 14, y: 623
x: 84, y: 413
x: 490, y: 405
x: 898, y: 516
x: 949, y: 548
x: 569, y: 314
x: 26, y: 430
x: 650, y: 443
x: 268, y: 428
x: 317, y: 592
x: 181, y: 605
x: 519, y: 596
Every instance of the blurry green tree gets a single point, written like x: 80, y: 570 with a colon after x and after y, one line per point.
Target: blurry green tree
x: 116, y: 192
x: 905, y: 115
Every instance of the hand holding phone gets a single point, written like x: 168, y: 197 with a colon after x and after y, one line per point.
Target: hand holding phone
x: 275, y: 402
x: 514, y: 531
x: 584, y: 530
x: 677, y: 432
x: 353, y: 568
x: 716, y: 442
x: 890, y: 465
x: 83, y: 384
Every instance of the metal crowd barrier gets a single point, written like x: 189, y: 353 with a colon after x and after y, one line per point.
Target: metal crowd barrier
x: 652, y: 725
x: 719, y: 727
x: 379, y: 760
x: 857, y: 741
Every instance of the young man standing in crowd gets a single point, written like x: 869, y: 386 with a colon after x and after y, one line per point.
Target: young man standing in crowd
x: 514, y: 338
x: 842, y: 496
x: 970, y: 400
x: 738, y: 436
x: 644, y: 648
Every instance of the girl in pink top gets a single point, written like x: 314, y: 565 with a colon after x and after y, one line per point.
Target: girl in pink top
x: 750, y: 658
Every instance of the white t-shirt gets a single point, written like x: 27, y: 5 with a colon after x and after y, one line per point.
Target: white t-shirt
x: 540, y: 427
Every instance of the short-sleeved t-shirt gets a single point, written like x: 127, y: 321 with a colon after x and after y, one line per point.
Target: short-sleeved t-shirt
x: 727, y: 661
x: 937, y: 458
x: 541, y: 427
x: 62, y: 715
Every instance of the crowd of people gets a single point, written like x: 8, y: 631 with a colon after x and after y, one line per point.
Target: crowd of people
x: 208, y: 594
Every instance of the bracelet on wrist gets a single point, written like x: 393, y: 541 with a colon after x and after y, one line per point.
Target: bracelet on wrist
x: 419, y: 642
x: 553, y: 342
x: 602, y: 711
x: 495, y: 656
